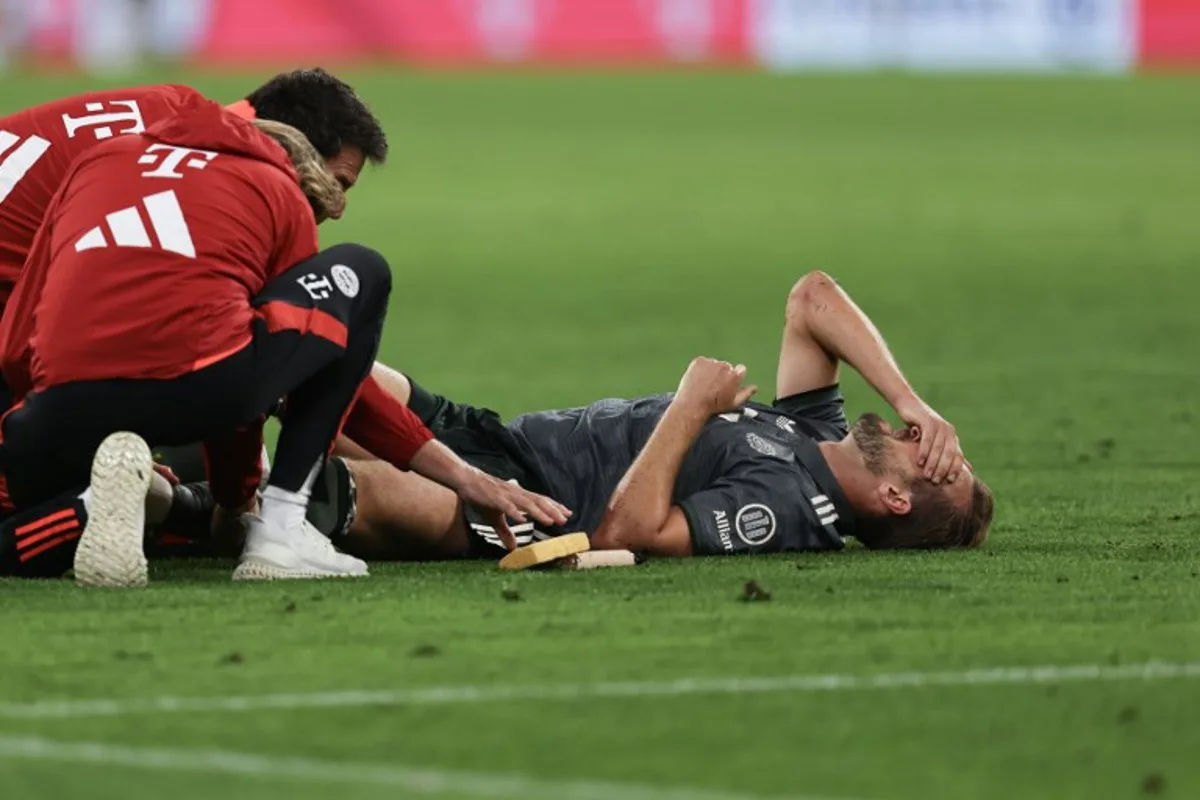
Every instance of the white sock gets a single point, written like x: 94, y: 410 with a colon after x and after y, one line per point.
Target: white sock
x: 286, y: 510
x: 264, y: 463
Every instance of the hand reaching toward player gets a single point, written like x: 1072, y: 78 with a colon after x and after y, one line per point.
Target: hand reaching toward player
x: 714, y: 387
x: 501, y: 501
x: 941, y: 456
x: 498, y: 500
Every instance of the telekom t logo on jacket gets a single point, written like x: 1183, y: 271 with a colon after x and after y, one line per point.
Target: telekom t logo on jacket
x: 168, y: 157
x: 104, y: 120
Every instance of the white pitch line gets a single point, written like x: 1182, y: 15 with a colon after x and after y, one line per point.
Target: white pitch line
x: 409, y: 780
x: 449, y: 695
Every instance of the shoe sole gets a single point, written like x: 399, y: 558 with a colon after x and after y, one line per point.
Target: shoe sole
x: 253, y: 570
x: 546, y: 551
x: 111, y: 552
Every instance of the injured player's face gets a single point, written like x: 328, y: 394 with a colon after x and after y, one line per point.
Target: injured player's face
x: 908, y: 510
x: 887, y: 452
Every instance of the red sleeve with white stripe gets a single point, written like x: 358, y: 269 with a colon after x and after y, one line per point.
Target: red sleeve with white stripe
x: 386, y: 427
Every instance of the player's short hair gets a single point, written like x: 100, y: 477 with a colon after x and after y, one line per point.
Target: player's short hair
x: 325, y: 109
x: 933, y: 522
x: 324, y: 193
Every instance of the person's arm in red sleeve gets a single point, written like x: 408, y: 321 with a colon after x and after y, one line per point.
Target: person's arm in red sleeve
x: 385, y: 426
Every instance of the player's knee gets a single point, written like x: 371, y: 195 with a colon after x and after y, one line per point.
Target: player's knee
x: 374, y: 273
x: 806, y: 293
x: 394, y: 382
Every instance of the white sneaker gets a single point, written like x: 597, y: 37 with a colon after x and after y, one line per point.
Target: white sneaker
x: 273, y: 554
x: 110, y: 550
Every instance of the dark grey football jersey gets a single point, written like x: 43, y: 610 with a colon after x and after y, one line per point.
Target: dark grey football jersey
x: 753, y: 482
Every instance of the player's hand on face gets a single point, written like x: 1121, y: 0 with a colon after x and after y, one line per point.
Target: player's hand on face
x: 501, y: 501
x: 714, y: 386
x: 940, y: 456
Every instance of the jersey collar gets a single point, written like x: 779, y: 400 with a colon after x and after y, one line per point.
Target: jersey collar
x: 810, y: 456
x: 243, y: 109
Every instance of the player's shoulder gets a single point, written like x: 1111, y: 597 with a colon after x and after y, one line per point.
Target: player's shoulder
x: 266, y: 195
x: 276, y: 187
x: 770, y: 504
x: 172, y: 91
x: 168, y: 93
x: 799, y: 500
x: 82, y: 120
x: 112, y: 102
x: 819, y: 414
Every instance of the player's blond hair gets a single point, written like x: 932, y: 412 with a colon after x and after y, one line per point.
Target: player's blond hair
x: 323, y: 191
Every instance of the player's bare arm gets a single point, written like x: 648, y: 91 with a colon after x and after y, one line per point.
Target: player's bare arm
x: 824, y: 326
x: 640, y: 515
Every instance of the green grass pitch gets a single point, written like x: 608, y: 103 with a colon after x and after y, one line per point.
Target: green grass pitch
x: 1030, y: 248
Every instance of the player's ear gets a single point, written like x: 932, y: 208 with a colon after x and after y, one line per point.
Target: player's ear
x: 896, y: 499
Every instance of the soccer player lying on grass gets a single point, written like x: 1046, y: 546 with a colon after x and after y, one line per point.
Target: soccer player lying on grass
x: 701, y: 472
x: 179, y: 298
